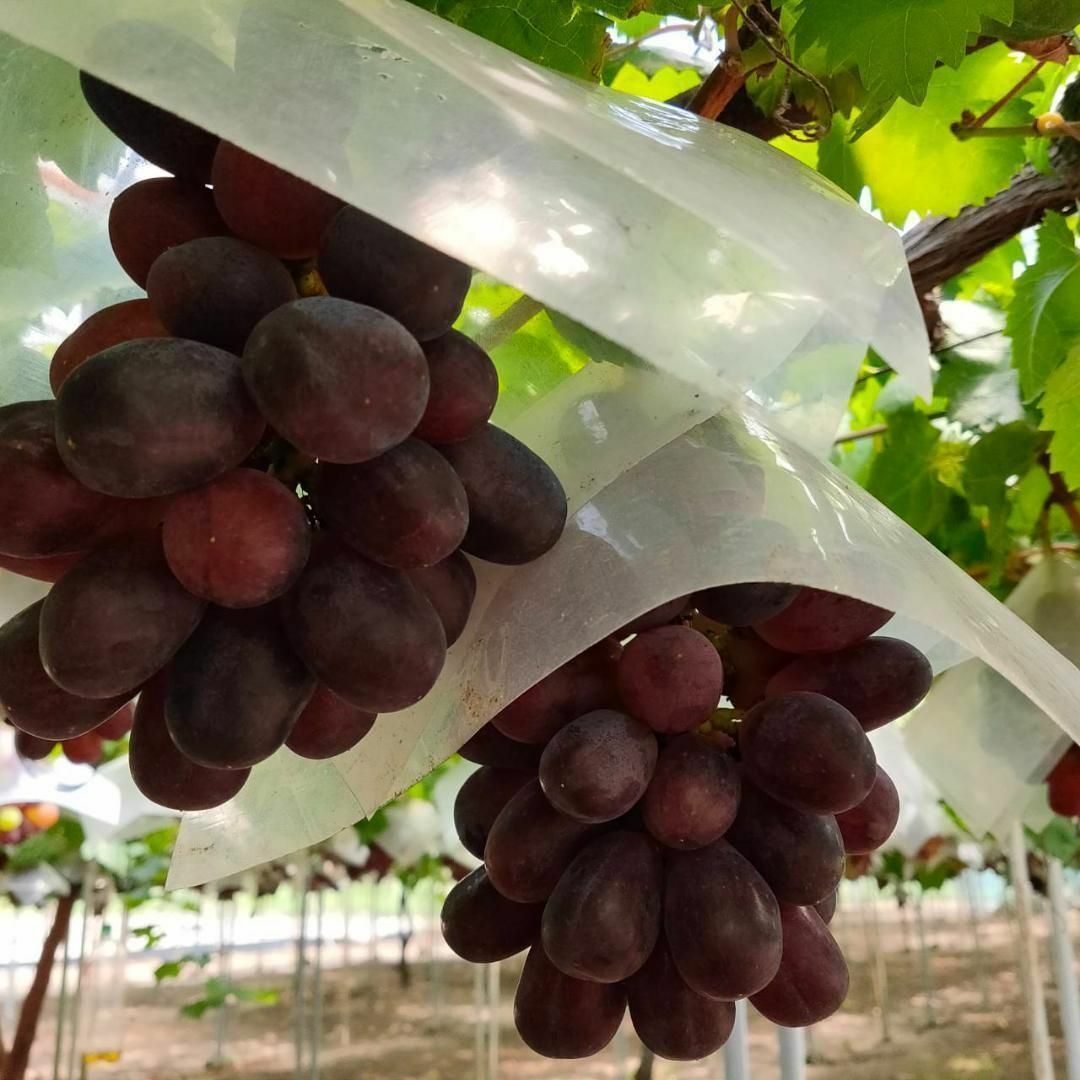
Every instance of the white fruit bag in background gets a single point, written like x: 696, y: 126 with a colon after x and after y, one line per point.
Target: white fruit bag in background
x: 746, y: 287
x: 987, y: 746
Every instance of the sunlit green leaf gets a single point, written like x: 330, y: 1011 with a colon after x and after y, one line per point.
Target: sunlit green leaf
x: 1061, y: 415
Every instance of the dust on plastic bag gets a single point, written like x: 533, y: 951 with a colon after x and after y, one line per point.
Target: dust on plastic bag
x: 742, y: 285
x: 986, y: 745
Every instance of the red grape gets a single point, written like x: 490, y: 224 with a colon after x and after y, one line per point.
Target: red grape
x: 125, y: 321
x: 406, y: 508
x: 464, y: 389
x: 215, y: 289
x: 878, y: 680
x: 155, y: 416
x: 672, y: 1020
x: 866, y: 827
x: 489, y: 746
x: 450, y: 585
x: 722, y: 922
x: 530, y: 845
x: 813, y: 979
x: 268, y: 206
x: 115, y: 620
x: 364, y: 630
x: 827, y: 908
x: 482, y: 926
x: 51, y: 568
x: 32, y: 748
x: 748, y: 665
x: 671, y: 678
x: 370, y: 262
x: 597, y: 767
x: 561, y: 1017
x: 342, y: 382
x: 84, y: 749
x: 658, y: 616
x: 119, y: 724
x: 517, y: 506
x: 163, y: 774
x: 240, y: 541
x: 693, y: 796
x: 744, y: 605
x: 580, y: 686
x: 1063, y: 784
x: 480, y: 801
x: 235, y: 689
x: 328, y: 726
x: 150, y: 217
x: 817, y: 621
x: 807, y: 751
x: 603, y: 918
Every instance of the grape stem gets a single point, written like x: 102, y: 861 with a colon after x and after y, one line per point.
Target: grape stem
x: 1005, y: 98
x: 1063, y: 496
x: 504, y: 326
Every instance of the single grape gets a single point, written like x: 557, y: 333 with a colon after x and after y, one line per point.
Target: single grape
x: 235, y: 689
x: 151, y: 216
x: 406, y: 508
x: 161, y: 772
x: 84, y: 749
x: 42, y: 815
x: 482, y: 926
x: 1063, y: 784
x: 126, y: 321
x: 450, y: 585
x: 11, y: 818
x: 29, y: 699
x: 827, y: 908
x: 812, y: 982
x: 268, y: 206
x: 658, y: 616
x: 807, y: 751
x: 580, y: 686
x: 328, y: 726
x: 866, y: 827
x: 370, y: 262
x: 530, y: 845
x: 364, y: 630
x: 672, y: 1020
x: 878, y: 680
x: 517, y: 506
x: 119, y: 724
x: 817, y: 621
x: 671, y: 678
x: 603, y: 918
x: 51, y: 568
x: 721, y: 921
x: 154, y: 417
x: 560, y: 1017
x: 342, y: 382
x: 32, y: 748
x: 749, y: 664
x: 800, y: 855
x: 240, y: 541
x: 175, y: 145
x: 597, y: 767
x: 464, y: 389
x: 215, y: 289
x: 489, y: 746
x: 693, y: 796
x: 744, y: 605
x: 481, y: 800
x: 115, y: 620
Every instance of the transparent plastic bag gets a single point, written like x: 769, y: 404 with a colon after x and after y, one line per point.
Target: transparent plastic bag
x: 726, y: 294
x: 986, y: 745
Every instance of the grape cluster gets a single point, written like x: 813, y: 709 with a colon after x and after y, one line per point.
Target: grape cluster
x: 257, y: 487
x: 657, y: 850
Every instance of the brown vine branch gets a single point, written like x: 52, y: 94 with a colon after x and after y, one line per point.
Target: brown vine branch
x: 1064, y: 497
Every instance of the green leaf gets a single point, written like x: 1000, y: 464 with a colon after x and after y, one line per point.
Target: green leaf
x: 1044, y: 320
x: 664, y: 85
x: 902, y: 475
x: 838, y: 160
x: 555, y: 33
x: 1029, y: 498
x: 1033, y: 19
x: 151, y: 936
x: 1061, y: 415
x: 896, y: 44
x: 992, y: 279
x: 1060, y: 840
x: 911, y: 161
x: 980, y: 393
x: 54, y: 846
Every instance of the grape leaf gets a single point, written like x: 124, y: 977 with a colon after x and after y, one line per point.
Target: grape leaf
x: 556, y: 33
x: 896, y: 45
x: 1033, y: 19
x: 911, y: 161
x: 1061, y: 415
x: 649, y: 9
x: 1044, y: 319
x: 664, y: 85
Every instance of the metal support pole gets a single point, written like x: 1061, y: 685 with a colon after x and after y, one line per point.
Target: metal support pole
x: 1042, y: 1062
x: 480, y: 1028
x: 976, y: 937
x: 792, y: 1053
x: 317, y: 988
x: 737, y: 1048
x: 493, y: 996
x: 924, y: 965
x: 299, y: 1008
x: 1064, y: 969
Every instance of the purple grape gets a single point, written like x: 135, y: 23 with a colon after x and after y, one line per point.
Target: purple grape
x: 464, y: 389
x: 489, y: 746
x: 328, y: 727
x: 450, y: 585
x: 745, y: 605
x: 480, y: 925
x: 817, y: 621
x: 866, y: 827
x: 480, y: 801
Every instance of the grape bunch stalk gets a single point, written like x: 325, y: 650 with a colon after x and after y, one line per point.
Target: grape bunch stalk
x: 259, y: 487
x: 659, y: 851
